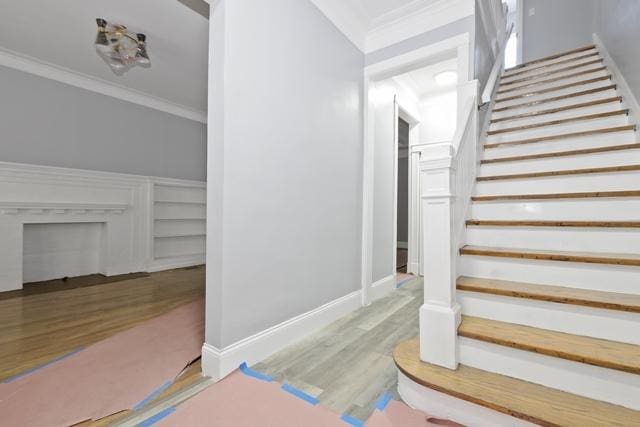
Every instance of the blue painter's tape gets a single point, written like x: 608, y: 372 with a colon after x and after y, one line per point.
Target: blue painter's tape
x: 383, y: 401
x: 255, y: 374
x: 301, y: 394
x: 157, y: 417
x: 155, y: 393
x: 352, y: 421
x: 51, y: 362
x: 404, y: 281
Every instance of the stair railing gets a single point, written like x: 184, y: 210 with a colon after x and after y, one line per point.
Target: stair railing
x: 497, y: 68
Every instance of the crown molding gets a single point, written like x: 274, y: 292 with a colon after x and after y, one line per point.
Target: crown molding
x: 51, y: 71
x: 414, y: 19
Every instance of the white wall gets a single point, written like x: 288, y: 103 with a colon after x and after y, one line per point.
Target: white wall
x: 285, y: 166
x: 439, y: 115
x: 46, y: 122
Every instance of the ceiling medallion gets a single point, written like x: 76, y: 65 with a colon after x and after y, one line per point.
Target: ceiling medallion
x: 119, y: 48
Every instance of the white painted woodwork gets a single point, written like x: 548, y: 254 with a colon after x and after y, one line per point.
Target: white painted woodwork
x: 572, y: 319
x: 594, y: 382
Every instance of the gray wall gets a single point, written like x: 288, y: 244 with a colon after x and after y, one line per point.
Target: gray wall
x: 556, y: 26
x: 286, y: 115
x: 45, y: 122
x: 617, y: 23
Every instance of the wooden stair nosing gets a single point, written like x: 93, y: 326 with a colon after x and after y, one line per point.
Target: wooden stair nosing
x: 552, y: 80
x: 626, y: 260
x: 586, y: 171
x: 554, y: 89
x: 553, y: 196
x: 558, y: 109
x: 551, y: 57
x: 550, y: 293
x: 547, y: 223
x: 542, y: 67
x: 562, y: 136
x: 561, y: 121
x: 521, y: 399
x: 552, y: 72
x: 581, y: 349
x: 584, y: 151
x: 556, y: 98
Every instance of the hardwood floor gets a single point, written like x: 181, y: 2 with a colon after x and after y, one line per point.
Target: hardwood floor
x: 349, y: 364
x: 34, y: 329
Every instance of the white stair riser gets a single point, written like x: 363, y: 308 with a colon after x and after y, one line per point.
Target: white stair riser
x: 609, y: 93
x: 591, y: 322
x: 551, y: 82
x: 558, y: 71
x: 601, y: 277
x: 616, y: 387
x: 551, y: 64
x: 553, y: 130
x: 552, y: 94
x: 578, y: 112
x: 596, y: 160
x: 611, y: 209
x: 618, y: 181
x: 566, y: 144
x: 612, y: 240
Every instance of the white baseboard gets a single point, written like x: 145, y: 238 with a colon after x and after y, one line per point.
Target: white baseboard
x: 442, y: 405
x: 383, y: 287
x: 628, y: 98
x: 218, y: 363
x: 178, y: 262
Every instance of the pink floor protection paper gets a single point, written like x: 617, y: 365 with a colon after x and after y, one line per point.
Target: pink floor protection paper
x: 112, y: 375
x: 247, y: 399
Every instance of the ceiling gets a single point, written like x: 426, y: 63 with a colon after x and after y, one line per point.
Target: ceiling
x: 62, y: 32
x: 421, y: 81
x: 378, y: 12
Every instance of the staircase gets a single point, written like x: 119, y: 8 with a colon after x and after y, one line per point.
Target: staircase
x: 550, y: 285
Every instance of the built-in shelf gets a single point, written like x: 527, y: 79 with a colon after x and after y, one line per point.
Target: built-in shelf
x: 180, y: 202
x: 201, y: 218
x: 168, y: 236
x: 177, y: 257
x: 60, y: 208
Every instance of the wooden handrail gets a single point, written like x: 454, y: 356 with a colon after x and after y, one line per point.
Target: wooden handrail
x: 497, y: 67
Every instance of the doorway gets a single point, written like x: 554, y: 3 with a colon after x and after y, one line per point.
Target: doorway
x: 402, y: 202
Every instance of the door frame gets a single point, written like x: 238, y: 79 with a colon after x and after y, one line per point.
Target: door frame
x: 457, y: 46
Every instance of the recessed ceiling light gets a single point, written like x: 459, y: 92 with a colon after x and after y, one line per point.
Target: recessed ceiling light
x: 446, y: 78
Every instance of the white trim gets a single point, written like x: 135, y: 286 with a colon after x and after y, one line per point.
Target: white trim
x: 444, y: 406
x: 218, y: 363
x: 31, y: 65
x: 177, y: 262
x: 456, y: 46
x: 628, y: 98
x: 391, y: 29
x: 383, y: 287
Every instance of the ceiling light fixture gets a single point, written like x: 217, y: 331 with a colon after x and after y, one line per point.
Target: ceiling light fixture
x: 446, y: 78
x: 120, y: 48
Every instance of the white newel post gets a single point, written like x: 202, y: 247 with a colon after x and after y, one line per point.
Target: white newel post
x: 440, y: 314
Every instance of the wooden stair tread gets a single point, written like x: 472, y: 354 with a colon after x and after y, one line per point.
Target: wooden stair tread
x: 554, y: 89
x: 557, y: 294
x: 550, y: 57
x: 536, y: 223
x: 555, y: 64
x: 592, y: 351
x: 549, y: 255
x: 602, y: 115
x: 562, y: 153
x: 552, y: 72
x: 550, y: 196
x: 609, y: 169
x: 521, y: 399
x: 557, y: 98
x: 562, y: 136
x: 558, y: 110
x: 551, y: 80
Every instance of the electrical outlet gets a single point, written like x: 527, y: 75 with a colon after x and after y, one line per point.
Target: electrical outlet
x: 532, y: 11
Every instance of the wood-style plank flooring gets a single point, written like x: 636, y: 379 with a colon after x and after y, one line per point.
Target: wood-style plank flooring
x: 349, y: 364
x: 34, y: 329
